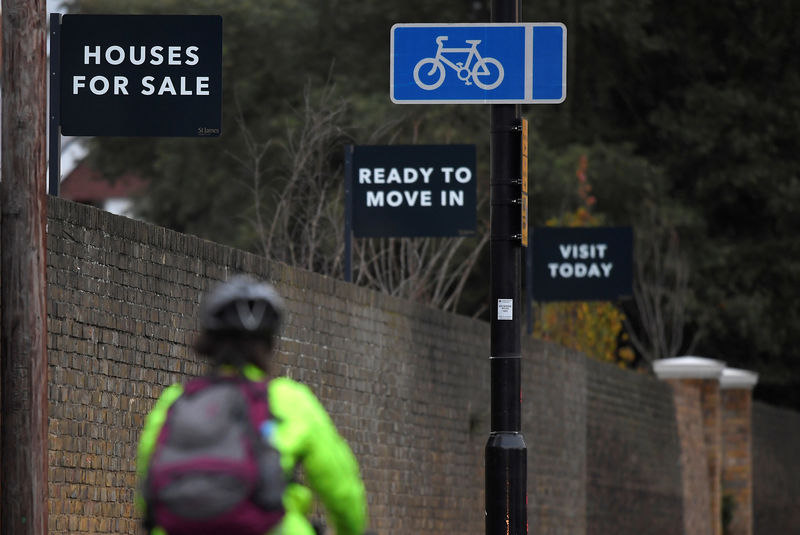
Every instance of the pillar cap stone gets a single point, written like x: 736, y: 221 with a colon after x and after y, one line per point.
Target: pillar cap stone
x: 688, y: 368
x: 736, y: 378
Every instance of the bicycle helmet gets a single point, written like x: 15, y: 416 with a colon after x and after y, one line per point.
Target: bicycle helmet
x: 242, y: 305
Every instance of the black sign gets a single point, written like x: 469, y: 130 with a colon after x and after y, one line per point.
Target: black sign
x: 414, y: 190
x: 141, y: 75
x: 582, y: 263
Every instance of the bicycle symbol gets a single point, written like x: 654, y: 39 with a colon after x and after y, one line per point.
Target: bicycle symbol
x: 433, y: 78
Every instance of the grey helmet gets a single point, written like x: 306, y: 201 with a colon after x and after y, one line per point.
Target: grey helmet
x: 242, y: 305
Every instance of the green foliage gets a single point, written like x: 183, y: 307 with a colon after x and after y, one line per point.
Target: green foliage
x: 705, y: 101
x: 691, y: 108
x: 594, y: 328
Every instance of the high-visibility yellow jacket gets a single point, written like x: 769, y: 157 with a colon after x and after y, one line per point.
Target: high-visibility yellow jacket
x: 304, y: 434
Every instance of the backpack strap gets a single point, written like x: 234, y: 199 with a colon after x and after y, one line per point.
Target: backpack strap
x: 257, y: 400
x: 269, y: 494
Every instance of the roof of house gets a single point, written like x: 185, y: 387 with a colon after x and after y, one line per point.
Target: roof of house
x: 84, y: 184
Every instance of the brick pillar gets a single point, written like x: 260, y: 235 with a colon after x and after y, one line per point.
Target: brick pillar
x: 737, y: 449
x: 695, y: 383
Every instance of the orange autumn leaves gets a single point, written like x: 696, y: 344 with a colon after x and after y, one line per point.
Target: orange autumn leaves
x: 594, y: 328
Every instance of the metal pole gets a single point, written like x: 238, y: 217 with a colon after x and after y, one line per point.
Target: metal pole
x: 506, y: 454
x: 348, y: 213
x: 23, y: 329
x: 54, y: 151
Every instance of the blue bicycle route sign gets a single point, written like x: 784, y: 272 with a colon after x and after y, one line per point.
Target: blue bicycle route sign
x: 498, y: 63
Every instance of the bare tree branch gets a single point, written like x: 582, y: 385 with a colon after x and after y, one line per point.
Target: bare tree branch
x: 306, y: 224
x: 660, y: 288
x: 252, y: 163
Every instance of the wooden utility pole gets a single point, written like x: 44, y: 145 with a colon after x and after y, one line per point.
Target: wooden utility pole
x: 23, y: 328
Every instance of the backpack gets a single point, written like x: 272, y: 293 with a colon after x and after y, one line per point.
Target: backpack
x: 211, y: 471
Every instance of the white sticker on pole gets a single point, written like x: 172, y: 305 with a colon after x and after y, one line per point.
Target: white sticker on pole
x: 505, y: 309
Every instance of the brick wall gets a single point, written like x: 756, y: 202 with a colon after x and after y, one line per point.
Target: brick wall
x: 737, y: 468
x: 712, y: 430
x: 776, y: 470
x: 554, y: 426
x: 407, y: 385
x: 632, y: 454
x: 697, y: 505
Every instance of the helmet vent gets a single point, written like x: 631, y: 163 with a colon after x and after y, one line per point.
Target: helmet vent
x: 251, y: 313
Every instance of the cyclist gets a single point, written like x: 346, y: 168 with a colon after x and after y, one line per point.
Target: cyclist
x: 239, y: 320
